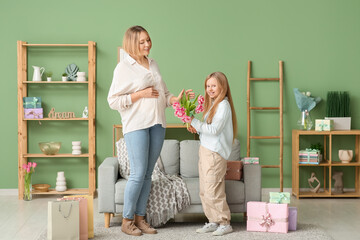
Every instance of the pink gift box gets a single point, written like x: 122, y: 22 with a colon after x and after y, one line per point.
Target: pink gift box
x: 267, y: 217
x: 33, y: 113
x: 292, y: 218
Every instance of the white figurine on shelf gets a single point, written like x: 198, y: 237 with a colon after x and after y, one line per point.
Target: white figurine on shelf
x: 85, y: 113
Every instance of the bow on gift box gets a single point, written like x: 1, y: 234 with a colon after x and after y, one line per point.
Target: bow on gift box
x: 310, y: 151
x: 322, y: 125
x: 32, y: 112
x: 281, y: 197
x: 35, y: 100
x: 266, y: 220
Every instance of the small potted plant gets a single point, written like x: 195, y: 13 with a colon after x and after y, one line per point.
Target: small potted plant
x: 338, y: 109
x: 48, y: 76
x: 64, y: 77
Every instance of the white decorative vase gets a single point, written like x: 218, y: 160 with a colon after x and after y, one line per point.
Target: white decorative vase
x: 345, y: 156
x: 60, y: 182
x: 76, y: 147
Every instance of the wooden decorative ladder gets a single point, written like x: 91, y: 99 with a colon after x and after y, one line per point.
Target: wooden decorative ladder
x: 280, y: 108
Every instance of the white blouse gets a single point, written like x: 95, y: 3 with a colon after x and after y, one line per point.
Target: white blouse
x: 129, y: 77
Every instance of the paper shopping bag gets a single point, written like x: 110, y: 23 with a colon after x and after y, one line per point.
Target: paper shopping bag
x: 83, y: 212
x: 90, y: 213
x: 63, y: 220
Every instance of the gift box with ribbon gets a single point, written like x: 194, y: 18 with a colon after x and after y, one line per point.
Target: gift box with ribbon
x: 310, y: 156
x: 292, y: 218
x: 32, y: 102
x: 251, y: 160
x: 324, y: 125
x: 279, y: 197
x: 33, y: 113
x: 267, y: 217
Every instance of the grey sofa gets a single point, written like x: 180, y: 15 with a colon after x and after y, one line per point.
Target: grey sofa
x: 179, y: 158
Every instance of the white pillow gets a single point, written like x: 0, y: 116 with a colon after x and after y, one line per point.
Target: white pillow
x: 123, y: 159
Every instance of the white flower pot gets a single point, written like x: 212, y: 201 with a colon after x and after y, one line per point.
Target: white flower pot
x: 341, y: 123
x: 64, y: 79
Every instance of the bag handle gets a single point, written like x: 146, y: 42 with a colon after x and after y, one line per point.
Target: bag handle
x: 60, y: 211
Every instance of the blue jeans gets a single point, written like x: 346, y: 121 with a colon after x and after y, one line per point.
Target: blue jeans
x: 144, y: 147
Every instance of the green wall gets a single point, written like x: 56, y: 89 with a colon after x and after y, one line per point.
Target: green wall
x: 319, y: 42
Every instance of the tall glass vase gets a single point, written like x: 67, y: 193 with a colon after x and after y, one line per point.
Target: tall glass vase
x: 305, y: 122
x: 27, y: 188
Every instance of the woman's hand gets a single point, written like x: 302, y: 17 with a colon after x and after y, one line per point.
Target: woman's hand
x: 188, y: 93
x: 149, y: 92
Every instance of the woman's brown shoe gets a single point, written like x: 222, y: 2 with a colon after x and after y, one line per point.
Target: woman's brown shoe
x: 144, y: 226
x: 128, y: 227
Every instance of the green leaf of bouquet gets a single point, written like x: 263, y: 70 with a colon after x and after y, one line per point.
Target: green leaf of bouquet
x: 192, y: 107
x: 196, y: 98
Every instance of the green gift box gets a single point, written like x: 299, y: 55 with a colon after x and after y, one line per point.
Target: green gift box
x: 324, y: 125
x: 32, y: 102
x: 279, y: 197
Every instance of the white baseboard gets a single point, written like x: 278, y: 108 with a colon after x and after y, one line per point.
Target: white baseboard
x: 9, y: 192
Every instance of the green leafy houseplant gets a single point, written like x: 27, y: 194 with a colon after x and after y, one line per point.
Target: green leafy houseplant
x: 48, y: 74
x: 64, y: 75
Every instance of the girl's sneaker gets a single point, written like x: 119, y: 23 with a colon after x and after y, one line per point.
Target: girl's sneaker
x: 223, y: 229
x: 208, y: 227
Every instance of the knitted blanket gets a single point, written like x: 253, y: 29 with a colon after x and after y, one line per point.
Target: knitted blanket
x: 168, y: 195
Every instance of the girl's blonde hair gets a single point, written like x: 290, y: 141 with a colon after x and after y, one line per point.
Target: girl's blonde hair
x: 131, y: 40
x: 223, y: 84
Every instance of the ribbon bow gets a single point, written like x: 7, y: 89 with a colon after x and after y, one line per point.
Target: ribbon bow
x: 34, y: 101
x: 266, y: 220
x: 322, y: 125
x: 281, y: 197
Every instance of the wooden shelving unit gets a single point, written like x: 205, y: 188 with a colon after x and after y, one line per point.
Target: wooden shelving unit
x: 327, y: 164
x: 23, y: 154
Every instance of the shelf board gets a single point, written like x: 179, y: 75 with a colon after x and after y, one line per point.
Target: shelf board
x: 311, y: 194
x: 56, y: 82
x: 64, y: 155
x: 69, y: 191
x: 56, y: 119
x: 350, y: 164
x: 322, y: 163
x: 346, y: 194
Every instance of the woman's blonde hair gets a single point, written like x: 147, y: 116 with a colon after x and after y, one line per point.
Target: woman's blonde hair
x: 223, y: 84
x: 131, y: 40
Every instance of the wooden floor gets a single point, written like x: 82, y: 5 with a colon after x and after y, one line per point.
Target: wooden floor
x: 27, y: 220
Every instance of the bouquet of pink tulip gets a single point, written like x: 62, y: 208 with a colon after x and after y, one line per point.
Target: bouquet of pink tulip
x: 186, y: 108
x: 29, y: 169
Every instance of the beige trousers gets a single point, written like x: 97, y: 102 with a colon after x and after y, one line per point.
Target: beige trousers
x: 212, y: 169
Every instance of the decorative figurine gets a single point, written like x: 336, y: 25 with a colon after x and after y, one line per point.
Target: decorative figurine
x: 311, y: 180
x: 338, y: 185
x: 85, y: 113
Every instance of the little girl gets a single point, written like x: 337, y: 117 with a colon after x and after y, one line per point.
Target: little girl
x: 217, y: 132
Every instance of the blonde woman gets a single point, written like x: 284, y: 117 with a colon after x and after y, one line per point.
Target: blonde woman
x: 140, y: 95
x: 217, y: 132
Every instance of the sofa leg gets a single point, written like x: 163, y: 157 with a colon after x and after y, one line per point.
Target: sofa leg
x: 107, y: 220
x: 245, y: 216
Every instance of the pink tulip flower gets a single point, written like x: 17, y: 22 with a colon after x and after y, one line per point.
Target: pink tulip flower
x: 34, y: 164
x: 199, y: 109
x: 180, y: 112
x: 201, y: 100
x: 28, y: 169
x: 186, y: 119
x: 176, y: 105
x: 24, y: 166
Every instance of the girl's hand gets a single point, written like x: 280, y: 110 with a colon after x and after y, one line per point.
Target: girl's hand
x: 192, y: 129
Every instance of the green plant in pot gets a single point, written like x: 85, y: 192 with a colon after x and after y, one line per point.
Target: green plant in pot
x: 64, y: 77
x: 338, y: 109
x: 48, y: 76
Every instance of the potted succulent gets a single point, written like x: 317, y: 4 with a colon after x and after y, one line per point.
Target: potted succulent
x: 48, y: 76
x: 338, y: 109
x: 64, y: 77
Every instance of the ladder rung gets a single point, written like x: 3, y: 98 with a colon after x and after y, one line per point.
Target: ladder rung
x: 264, y: 137
x: 264, y: 79
x: 270, y: 166
x: 264, y: 108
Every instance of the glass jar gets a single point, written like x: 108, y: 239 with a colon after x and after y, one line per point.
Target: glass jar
x: 304, y: 122
x: 27, y: 188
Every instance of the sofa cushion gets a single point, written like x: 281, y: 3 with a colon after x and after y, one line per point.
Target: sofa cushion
x: 170, y: 156
x: 189, y: 158
x: 235, y: 151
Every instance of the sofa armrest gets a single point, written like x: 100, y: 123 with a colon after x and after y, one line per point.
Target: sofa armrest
x: 252, y: 182
x: 107, y: 177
